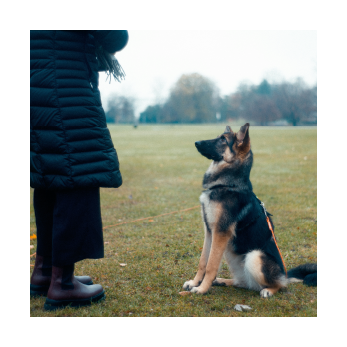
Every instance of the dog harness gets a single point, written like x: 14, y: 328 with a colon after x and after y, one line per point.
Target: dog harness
x: 272, y: 231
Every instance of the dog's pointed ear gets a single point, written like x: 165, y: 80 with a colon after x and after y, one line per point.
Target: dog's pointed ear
x: 227, y: 129
x: 242, y: 135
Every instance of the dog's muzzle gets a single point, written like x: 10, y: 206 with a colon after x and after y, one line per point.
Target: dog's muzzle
x: 197, y: 144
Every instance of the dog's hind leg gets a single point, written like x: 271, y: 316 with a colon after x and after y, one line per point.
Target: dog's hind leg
x: 202, y: 263
x: 219, y: 244
x: 262, y: 273
x: 223, y: 282
x: 236, y: 267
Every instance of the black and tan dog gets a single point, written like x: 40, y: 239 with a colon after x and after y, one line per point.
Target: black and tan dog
x: 234, y: 221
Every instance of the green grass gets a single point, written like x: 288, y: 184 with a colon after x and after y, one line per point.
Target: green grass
x: 162, y: 172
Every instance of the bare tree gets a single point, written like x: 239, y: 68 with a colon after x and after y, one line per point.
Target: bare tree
x: 121, y: 109
x: 263, y: 110
x: 256, y: 103
x: 293, y: 101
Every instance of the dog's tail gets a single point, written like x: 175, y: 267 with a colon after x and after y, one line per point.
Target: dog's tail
x: 306, y: 273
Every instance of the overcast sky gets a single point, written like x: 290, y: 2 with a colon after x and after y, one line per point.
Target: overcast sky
x: 154, y: 60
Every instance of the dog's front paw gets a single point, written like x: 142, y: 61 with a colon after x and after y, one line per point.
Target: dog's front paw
x: 265, y: 293
x: 189, y: 285
x: 198, y: 290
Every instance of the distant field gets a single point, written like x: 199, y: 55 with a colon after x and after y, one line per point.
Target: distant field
x: 162, y: 172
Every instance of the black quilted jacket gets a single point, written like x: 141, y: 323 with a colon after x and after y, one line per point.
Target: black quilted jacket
x: 70, y: 145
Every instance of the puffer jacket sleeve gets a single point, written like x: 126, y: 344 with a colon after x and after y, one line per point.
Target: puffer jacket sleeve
x: 111, y: 40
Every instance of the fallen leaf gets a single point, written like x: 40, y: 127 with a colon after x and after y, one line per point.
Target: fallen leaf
x: 106, y: 243
x: 148, y: 288
x: 167, y: 245
x: 33, y: 237
x: 33, y: 255
x: 31, y: 246
x: 123, y: 264
x: 32, y: 265
x: 151, y: 220
x: 184, y: 293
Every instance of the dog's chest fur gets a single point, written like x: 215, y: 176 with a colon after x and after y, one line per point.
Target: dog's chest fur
x: 210, y: 209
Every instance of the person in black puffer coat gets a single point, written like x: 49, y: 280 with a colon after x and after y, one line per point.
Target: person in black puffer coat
x: 71, y: 157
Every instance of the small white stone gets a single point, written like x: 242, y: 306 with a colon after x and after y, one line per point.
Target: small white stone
x: 241, y: 308
x: 238, y: 308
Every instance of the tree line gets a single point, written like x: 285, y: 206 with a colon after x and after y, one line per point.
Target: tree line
x: 196, y: 99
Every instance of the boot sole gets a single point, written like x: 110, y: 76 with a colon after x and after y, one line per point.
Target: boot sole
x: 52, y: 305
x: 37, y: 290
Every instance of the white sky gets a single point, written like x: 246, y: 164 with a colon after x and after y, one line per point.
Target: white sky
x: 154, y: 60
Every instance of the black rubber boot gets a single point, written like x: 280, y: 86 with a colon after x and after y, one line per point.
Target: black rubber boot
x: 66, y: 290
x: 41, y: 277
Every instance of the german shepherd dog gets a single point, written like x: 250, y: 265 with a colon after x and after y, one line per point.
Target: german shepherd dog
x: 235, y: 223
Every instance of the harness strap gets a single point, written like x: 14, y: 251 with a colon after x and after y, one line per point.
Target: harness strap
x: 273, y: 234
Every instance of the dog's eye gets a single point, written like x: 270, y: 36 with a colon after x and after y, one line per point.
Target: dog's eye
x: 223, y: 139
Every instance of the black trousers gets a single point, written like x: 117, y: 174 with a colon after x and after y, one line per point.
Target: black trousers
x: 69, y: 226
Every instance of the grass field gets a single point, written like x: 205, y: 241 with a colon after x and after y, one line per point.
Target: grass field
x: 162, y: 172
